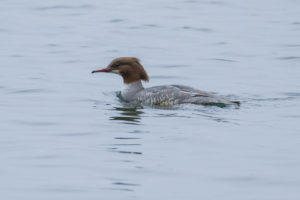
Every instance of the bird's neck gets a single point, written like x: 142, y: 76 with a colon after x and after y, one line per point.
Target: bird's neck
x: 130, y: 89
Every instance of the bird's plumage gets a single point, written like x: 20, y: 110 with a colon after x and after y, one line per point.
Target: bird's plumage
x: 133, y: 72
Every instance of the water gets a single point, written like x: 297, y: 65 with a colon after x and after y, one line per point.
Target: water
x: 65, y: 135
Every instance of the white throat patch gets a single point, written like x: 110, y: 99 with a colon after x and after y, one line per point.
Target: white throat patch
x: 131, y: 89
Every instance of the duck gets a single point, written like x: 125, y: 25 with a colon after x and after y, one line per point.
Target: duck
x: 133, y: 73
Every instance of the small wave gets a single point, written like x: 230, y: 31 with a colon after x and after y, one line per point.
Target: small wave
x: 289, y: 58
x: 63, y: 7
x: 29, y: 91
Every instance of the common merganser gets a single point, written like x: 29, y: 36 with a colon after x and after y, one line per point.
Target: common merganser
x: 133, y: 73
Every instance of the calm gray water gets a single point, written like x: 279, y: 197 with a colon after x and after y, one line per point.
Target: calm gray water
x: 65, y: 135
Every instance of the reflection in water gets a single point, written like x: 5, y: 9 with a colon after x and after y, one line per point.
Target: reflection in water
x: 128, y: 115
x: 126, y: 138
x: 130, y: 152
x: 126, y: 145
x: 115, y: 149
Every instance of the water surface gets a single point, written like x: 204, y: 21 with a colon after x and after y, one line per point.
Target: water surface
x: 65, y: 135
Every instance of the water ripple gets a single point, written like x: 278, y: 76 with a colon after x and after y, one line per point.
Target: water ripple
x: 63, y: 7
x: 223, y: 60
x: 117, y: 20
x: 125, y: 144
x: 30, y: 91
x: 125, y: 184
x: 207, y: 30
x: 127, y: 138
x: 289, y: 58
x: 125, y: 152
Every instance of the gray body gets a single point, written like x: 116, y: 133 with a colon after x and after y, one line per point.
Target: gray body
x: 170, y: 95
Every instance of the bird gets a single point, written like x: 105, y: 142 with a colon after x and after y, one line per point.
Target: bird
x: 133, y: 73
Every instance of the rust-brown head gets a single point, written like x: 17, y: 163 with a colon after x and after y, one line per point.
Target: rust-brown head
x: 128, y: 67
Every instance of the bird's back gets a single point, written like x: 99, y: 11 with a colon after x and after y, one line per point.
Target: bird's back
x: 178, y: 94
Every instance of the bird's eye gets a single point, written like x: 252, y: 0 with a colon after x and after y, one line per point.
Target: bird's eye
x: 117, y: 64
